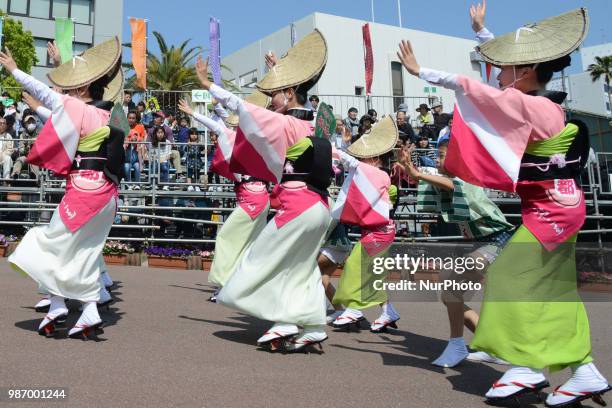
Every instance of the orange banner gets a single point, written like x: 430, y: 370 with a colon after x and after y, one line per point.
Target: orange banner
x: 139, y: 51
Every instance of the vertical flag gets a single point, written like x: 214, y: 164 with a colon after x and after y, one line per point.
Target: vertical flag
x: 139, y: 50
x: 293, y: 34
x: 369, y: 58
x: 215, y: 51
x: 64, y: 34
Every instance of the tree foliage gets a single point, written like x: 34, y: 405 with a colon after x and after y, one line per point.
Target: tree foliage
x: 603, y: 68
x: 21, y: 45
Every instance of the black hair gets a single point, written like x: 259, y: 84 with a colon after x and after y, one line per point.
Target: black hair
x: 372, y: 112
x: 127, y: 93
x: 135, y: 112
x: 96, y: 88
x: 141, y: 103
x: 154, y: 140
x: 353, y: 109
x: 545, y: 70
x: 313, y: 98
x: 193, y: 130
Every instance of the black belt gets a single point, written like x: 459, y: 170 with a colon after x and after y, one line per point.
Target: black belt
x: 570, y: 171
x: 89, y: 161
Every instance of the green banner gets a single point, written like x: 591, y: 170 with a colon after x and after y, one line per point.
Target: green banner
x: 118, y: 119
x: 64, y: 34
x: 326, y: 122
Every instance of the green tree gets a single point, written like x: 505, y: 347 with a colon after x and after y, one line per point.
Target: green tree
x: 603, y: 68
x: 21, y: 45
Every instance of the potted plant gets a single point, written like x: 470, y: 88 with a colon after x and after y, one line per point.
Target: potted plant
x: 116, y: 253
x: 595, y: 281
x: 167, y: 257
x: 207, y: 258
x: 3, y: 246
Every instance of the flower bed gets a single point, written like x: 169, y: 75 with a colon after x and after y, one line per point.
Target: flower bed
x: 7, y: 244
x: 117, y: 253
x: 168, y: 257
x: 207, y: 259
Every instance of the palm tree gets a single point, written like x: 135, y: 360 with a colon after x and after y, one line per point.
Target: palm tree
x: 173, y: 69
x: 603, y: 67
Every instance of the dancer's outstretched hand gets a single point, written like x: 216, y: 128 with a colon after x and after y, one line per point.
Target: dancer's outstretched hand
x: 408, y: 59
x: 202, y: 71
x: 54, y: 53
x: 477, y: 13
x: 271, y: 60
x: 7, y: 61
x: 29, y: 100
x: 185, y: 107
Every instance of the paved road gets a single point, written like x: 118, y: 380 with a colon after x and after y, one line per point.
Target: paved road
x: 165, y: 346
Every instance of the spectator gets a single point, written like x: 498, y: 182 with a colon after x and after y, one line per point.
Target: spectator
x: 314, y: 102
x: 403, y: 108
x: 6, y: 149
x: 365, y: 124
x: 211, y: 153
x: 440, y: 118
x: 423, y: 155
x: 158, y: 119
x: 406, y: 133
x: 144, y: 117
x: 170, y: 121
x: 425, y: 117
x: 445, y: 132
x: 183, y: 133
x: 30, y: 130
x: 161, y: 153
x: 194, y: 152
x: 128, y: 105
x: 339, y: 137
x: 134, y: 152
x: 351, y: 121
x: 373, y: 114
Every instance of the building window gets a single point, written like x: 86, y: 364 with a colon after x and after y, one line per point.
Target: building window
x: 80, y: 11
x: 61, y: 8
x: 18, y: 7
x: 40, y: 8
x: 79, y: 48
x: 3, y: 5
x: 40, y: 46
x: 397, y: 84
x: 358, y: 90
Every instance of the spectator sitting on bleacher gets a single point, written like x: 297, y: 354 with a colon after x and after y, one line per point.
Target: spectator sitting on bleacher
x: 440, y: 118
x: 425, y: 117
x: 128, y: 105
x: 445, y: 132
x: 6, y: 149
x: 373, y: 114
x: 30, y: 130
x: 158, y: 119
x: 134, y: 152
x: 365, y: 124
x: 423, y: 155
x: 182, y: 134
x: 211, y: 152
x: 194, y: 152
x: 161, y: 152
x: 406, y: 133
x: 351, y: 121
x: 146, y: 118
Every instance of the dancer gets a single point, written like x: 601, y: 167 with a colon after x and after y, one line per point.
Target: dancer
x: 479, y: 220
x: 250, y: 216
x: 356, y: 287
x: 516, y: 139
x: 77, y: 143
x: 277, y: 278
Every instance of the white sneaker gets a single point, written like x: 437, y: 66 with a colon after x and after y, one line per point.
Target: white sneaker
x: 136, y: 187
x: 88, y: 322
x: 517, y: 381
x: 312, y: 335
x: 190, y: 188
x: 197, y: 189
x: 348, y: 317
x: 333, y: 316
x: 165, y: 188
x: 482, y: 357
x: 278, y: 331
x: 586, y: 382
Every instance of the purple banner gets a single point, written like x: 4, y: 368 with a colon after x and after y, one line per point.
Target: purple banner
x: 214, y: 59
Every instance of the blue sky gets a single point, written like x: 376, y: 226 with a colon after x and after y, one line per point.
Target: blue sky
x: 244, y: 21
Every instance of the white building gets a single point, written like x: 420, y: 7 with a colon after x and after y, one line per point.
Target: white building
x: 343, y: 81
x: 588, y: 54
x: 94, y: 22
x: 584, y: 94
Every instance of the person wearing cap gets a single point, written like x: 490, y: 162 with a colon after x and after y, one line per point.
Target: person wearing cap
x: 440, y: 118
x: 64, y: 257
x: 532, y: 315
x: 367, y: 160
x: 424, y: 118
x: 277, y: 278
x: 249, y: 217
x: 29, y: 132
x: 479, y: 220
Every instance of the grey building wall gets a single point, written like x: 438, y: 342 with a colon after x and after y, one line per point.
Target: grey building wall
x: 103, y: 22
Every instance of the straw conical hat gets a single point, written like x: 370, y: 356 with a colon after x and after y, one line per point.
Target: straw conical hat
x: 88, y: 67
x: 256, y: 98
x: 111, y: 93
x: 381, y: 139
x: 303, y: 62
x: 547, y: 40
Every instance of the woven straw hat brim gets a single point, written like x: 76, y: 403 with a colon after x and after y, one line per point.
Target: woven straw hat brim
x: 381, y: 139
x: 256, y: 98
x: 93, y: 64
x: 303, y: 62
x: 111, y: 93
x: 547, y: 40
